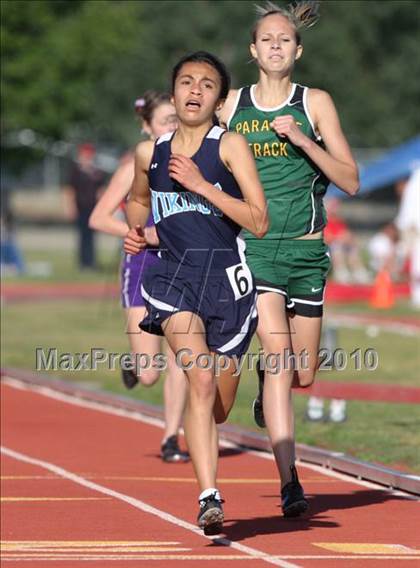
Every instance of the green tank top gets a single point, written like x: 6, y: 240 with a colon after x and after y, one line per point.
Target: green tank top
x: 294, y: 186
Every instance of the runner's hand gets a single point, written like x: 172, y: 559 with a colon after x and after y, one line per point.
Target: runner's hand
x: 186, y: 172
x: 286, y: 126
x: 134, y: 241
x: 151, y: 236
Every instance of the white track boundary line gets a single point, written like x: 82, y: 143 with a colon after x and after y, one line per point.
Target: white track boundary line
x: 168, y: 558
x: 353, y: 322
x: 138, y: 504
x: 49, y: 392
x: 139, y: 417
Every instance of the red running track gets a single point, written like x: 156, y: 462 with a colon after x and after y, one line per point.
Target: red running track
x: 83, y: 485
x: 28, y: 291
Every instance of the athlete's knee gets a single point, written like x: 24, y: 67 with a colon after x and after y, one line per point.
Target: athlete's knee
x: 201, y: 385
x: 220, y: 415
x: 148, y: 377
x: 305, y: 379
x: 221, y: 412
x: 306, y: 382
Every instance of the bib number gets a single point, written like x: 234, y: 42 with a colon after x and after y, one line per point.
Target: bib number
x: 240, y: 279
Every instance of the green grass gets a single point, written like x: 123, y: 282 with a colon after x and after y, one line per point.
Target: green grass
x: 402, y: 307
x: 383, y: 433
x: 63, y: 267
x: 398, y: 358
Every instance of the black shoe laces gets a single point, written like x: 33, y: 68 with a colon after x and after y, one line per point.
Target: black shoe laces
x: 171, y: 444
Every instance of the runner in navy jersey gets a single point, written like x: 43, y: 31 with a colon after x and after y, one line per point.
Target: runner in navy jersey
x: 203, y: 187
x: 157, y: 115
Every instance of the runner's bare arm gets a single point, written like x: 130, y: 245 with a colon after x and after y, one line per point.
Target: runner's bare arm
x: 251, y: 212
x: 224, y: 113
x: 138, y: 205
x: 102, y: 217
x: 337, y: 162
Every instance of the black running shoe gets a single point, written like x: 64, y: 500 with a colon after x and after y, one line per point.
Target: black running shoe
x: 210, y: 516
x: 257, y: 405
x: 129, y: 378
x: 171, y: 453
x: 293, y: 500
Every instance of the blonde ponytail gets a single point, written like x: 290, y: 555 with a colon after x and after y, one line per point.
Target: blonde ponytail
x: 305, y: 14
x: 301, y: 14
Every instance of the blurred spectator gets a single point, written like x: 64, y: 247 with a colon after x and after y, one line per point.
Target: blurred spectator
x: 316, y: 412
x: 82, y: 194
x: 11, y: 258
x: 385, y: 251
x: 316, y: 408
x: 408, y: 223
x: 399, y: 187
x: 345, y: 252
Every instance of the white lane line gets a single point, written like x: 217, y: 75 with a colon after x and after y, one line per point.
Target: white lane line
x: 19, y: 545
x: 48, y: 499
x: 353, y: 322
x: 76, y: 401
x: 138, y: 504
x: 138, y: 417
x: 219, y: 557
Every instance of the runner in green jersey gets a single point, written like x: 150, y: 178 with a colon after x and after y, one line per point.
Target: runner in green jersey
x: 297, y: 141
x: 294, y: 186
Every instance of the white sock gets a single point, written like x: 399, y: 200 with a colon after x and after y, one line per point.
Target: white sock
x: 337, y: 410
x: 315, y: 409
x: 208, y: 492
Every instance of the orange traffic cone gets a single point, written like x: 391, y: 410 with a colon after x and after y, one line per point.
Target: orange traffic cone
x: 383, y: 296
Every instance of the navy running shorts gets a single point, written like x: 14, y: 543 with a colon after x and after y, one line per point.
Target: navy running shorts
x: 225, y: 300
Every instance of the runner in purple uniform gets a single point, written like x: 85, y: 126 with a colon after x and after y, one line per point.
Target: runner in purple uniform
x: 157, y: 116
x: 132, y: 269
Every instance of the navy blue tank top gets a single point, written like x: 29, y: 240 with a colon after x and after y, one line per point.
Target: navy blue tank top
x: 192, y: 231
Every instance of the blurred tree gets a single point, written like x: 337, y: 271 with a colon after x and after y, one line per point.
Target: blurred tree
x: 367, y: 55
x: 56, y: 59
x: 72, y: 69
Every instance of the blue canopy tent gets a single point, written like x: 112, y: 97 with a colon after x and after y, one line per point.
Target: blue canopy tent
x: 392, y: 166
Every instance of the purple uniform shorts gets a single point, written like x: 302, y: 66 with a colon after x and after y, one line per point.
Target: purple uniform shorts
x: 132, y: 271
